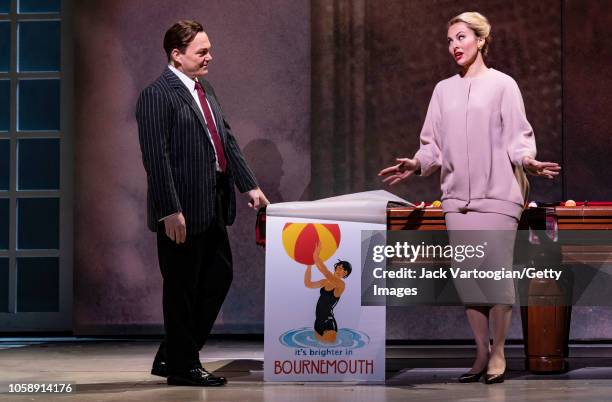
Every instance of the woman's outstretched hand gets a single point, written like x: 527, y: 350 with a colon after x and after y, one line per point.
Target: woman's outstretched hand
x: 316, y: 255
x: 541, y: 169
x: 404, y: 169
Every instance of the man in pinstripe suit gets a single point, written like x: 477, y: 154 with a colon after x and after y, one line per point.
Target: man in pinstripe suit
x: 192, y: 162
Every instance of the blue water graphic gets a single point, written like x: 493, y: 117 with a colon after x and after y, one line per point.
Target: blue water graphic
x: 306, y: 338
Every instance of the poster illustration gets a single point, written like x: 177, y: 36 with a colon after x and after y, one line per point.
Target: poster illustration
x: 315, y: 326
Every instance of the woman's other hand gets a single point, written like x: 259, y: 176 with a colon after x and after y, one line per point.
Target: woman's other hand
x: 404, y: 169
x: 541, y: 169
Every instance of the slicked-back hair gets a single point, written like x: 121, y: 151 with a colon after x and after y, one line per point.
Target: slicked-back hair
x: 180, y: 35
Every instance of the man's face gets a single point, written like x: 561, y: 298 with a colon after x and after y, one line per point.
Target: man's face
x: 194, y: 62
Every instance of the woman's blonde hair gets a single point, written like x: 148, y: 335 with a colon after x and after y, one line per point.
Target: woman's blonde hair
x: 477, y: 23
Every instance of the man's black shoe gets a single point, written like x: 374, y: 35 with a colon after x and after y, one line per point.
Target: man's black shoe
x: 160, y: 368
x: 196, y: 377
x: 220, y: 378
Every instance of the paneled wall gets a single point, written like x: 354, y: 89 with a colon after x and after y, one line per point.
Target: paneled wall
x: 375, y: 64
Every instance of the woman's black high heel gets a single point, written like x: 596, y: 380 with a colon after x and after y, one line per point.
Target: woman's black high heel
x: 471, y: 377
x: 495, y: 378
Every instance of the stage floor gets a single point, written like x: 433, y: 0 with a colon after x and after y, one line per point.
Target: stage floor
x: 111, y: 370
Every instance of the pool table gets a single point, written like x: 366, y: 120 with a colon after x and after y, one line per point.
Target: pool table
x: 545, y: 327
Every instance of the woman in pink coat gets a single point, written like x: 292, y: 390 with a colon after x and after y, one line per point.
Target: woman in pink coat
x: 477, y: 134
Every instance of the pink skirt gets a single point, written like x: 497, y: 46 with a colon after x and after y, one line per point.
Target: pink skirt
x: 496, y: 233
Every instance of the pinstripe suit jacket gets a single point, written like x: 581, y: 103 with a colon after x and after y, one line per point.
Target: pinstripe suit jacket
x: 179, y: 157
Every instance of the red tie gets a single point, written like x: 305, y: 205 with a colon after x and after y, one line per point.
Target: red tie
x: 214, y: 135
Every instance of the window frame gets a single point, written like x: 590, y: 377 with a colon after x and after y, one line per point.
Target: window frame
x: 15, y: 321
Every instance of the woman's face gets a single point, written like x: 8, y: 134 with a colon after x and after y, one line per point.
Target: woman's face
x: 340, y: 272
x: 463, y: 43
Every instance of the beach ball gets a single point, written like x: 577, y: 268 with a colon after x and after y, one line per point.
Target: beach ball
x: 300, y: 240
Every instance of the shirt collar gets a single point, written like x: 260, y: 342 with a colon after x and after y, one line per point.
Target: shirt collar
x: 189, y: 83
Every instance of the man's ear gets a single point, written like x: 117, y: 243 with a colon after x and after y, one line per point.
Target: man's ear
x: 175, y: 56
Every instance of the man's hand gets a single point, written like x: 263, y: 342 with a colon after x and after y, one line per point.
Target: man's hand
x: 404, y: 169
x: 176, y: 228
x: 541, y: 169
x: 258, y: 199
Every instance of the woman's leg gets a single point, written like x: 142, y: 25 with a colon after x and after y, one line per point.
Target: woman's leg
x: 478, y: 317
x: 329, y: 337
x: 501, y: 315
x: 500, y: 250
x: 330, y: 330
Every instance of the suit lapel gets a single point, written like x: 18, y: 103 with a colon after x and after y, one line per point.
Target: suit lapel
x: 183, y: 92
x: 217, y: 115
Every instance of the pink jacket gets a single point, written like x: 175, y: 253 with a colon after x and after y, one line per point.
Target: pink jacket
x: 475, y: 130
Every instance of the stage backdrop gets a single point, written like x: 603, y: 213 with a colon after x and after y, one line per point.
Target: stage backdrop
x: 261, y: 74
x: 374, y: 67
x: 335, y: 112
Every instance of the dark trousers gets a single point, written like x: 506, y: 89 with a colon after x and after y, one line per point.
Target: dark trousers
x: 196, y: 278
